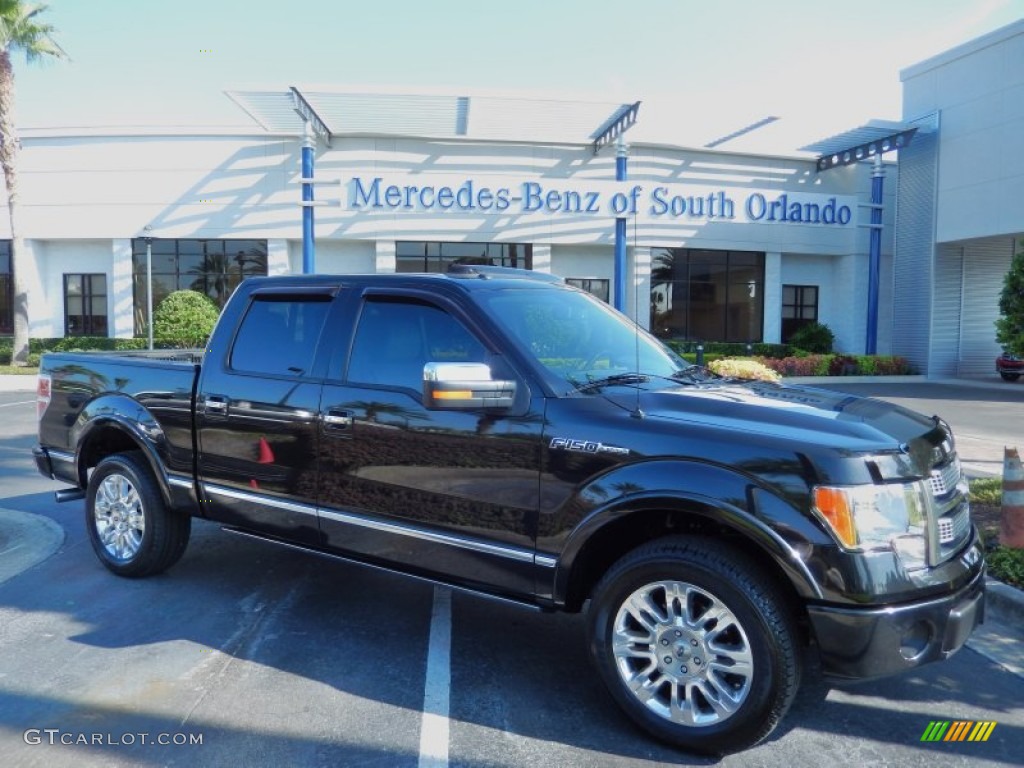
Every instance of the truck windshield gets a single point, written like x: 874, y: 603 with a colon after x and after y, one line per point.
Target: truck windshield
x: 579, y: 338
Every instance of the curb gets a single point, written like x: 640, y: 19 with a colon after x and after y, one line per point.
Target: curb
x: 1004, y: 603
x: 26, y: 539
x: 14, y: 382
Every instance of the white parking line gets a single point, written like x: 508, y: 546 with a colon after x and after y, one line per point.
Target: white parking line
x: 23, y: 402
x: 434, y: 726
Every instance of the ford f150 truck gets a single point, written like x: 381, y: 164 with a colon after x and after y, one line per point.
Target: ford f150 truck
x: 504, y: 433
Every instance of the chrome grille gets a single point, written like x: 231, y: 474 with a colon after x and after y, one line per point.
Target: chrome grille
x: 955, y: 526
x: 945, y: 479
x: 949, y: 511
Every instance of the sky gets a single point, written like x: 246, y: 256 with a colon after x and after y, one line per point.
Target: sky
x: 707, y: 67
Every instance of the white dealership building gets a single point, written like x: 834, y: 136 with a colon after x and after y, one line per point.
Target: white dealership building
x: 719, y: 244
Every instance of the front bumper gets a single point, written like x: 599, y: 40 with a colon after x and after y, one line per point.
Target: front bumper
x: 865, y: 643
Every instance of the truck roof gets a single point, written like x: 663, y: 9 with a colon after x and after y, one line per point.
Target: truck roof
x: 464, y: 276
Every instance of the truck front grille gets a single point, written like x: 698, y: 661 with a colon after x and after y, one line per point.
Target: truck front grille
x: 945, y: 479
x: 954, y: 527
x: 950, y: 510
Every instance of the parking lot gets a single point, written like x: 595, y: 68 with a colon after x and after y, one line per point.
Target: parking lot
x: 273, y: 657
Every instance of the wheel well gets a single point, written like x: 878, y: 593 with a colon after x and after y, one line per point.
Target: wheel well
x: 619, y: 537
x: 104, y: 442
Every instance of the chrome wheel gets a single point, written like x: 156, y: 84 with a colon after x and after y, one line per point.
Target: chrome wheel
x: 682, y: 653
x: 118, y: 517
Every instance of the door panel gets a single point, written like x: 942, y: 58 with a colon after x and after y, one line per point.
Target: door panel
x: 257, y: 422
x: 446, y: 493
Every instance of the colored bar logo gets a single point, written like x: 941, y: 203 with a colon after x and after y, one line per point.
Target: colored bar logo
x: 958, y: 730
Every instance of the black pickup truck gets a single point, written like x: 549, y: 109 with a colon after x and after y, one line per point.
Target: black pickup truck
x: 504, y: 433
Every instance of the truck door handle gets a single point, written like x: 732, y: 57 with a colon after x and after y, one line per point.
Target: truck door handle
x: 337, y: 420
x: 215, y: 405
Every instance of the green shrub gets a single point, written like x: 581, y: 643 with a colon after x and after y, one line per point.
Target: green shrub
x: 891, y: 365
x: 842, y: 365
x: 865, y: 365
x: 814, y: 337
x: 184, y: 320
x: 987, y: 490
x: 1007, y: 565
x: 6, y: 349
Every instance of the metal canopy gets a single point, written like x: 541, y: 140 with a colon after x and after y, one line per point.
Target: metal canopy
x: 620, y: 121
x: 310, y: 117
x: 742, y: 131
x: 863, y: 143
x: 331, y: 113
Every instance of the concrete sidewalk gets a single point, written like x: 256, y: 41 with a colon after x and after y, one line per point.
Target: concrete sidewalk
x: 26, y: 540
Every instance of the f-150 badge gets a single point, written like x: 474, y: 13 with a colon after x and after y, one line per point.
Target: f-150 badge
x: 584, y: 446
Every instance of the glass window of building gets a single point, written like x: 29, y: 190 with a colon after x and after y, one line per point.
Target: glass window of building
x: 6, y: 289
x: 85, y: 305
x: 597, y: 287
x: 799, y: 308
x: 419, y: 256
x: 703, y: 295
x: 213, y: 267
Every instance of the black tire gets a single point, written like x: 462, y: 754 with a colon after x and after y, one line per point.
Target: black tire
x: 1007, y: 376
x: 130, y: 528
x: 699, y: 661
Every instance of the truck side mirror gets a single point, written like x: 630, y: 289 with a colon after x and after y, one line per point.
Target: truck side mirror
x: 464, y: 386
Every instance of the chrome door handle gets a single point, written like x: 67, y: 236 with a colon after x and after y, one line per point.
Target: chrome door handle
x: 337, y: 419
x: 216, y: 405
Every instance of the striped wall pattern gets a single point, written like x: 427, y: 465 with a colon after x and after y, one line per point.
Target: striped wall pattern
x: 913, y: 261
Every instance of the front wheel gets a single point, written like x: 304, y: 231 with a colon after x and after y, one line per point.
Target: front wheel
x: 1007, y: 376
x: 130, y: 528
x: 695, y: 644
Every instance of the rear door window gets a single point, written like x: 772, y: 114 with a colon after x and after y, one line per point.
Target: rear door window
x: 279, y: 336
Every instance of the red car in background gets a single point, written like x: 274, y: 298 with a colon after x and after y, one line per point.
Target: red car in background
x: 1010, y: 367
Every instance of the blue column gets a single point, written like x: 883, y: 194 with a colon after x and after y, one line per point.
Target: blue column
x: 619, y: 291
x: 308, y: 252
x: 875, y: 255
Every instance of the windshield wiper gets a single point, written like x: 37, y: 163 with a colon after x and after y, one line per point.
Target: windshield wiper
x: 607, y: 381
x: 694, y: 374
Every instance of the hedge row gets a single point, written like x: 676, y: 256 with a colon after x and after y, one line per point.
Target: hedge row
x: 840, y: 365
x: 733, y: 349
x: 69, y: 344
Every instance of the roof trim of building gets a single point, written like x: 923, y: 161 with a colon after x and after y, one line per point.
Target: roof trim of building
x: 118, y: 131
x: 966, y: 49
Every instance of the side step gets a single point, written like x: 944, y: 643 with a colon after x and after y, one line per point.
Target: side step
x: 385, y: 569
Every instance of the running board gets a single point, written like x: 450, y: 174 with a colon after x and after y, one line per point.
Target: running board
x: 385, y: 569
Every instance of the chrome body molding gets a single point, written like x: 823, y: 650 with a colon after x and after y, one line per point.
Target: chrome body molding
x: 179, y: 481
x: 545, y: 561
x: 512, y: 553
x: 475, y: 545
x: 255, y: 498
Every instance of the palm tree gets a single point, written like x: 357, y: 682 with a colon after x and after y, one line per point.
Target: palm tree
x: 20, y: 30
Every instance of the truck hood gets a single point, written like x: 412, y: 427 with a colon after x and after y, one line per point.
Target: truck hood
x: 808, y: 415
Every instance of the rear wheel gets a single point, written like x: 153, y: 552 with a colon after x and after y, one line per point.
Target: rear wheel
x: 695, y: 644
x: 1007, y: 376
x: 130, y: 528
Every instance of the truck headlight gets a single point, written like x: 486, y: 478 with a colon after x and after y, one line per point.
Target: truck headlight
x: 863, y: 517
